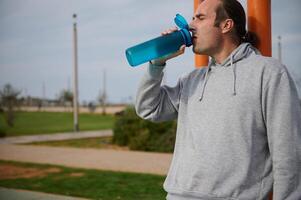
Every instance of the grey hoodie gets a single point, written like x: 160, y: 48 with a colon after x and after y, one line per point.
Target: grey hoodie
x: 239, y: 128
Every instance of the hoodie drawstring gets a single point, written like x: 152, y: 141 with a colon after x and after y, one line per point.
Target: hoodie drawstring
x: 234, y: 75
x: 243, y: 51
x: 204, y: 83
x: 233, y: 65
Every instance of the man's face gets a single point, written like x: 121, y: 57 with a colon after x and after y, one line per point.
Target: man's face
x: 206, y: 36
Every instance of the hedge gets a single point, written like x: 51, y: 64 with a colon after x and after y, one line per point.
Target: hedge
x: 138, y: 134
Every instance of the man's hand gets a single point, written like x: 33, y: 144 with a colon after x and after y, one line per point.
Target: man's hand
x: 162, y: 61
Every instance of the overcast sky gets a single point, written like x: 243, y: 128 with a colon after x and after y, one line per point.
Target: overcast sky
x: 36, y: 43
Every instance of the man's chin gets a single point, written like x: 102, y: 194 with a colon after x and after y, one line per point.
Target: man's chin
x: 198, y: 51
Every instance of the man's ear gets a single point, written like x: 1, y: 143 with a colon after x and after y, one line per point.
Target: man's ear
x: 227, y: 25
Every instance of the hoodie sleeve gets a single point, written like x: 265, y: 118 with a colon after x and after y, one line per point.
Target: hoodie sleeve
x: 155, y: 102
x: 282, y: 113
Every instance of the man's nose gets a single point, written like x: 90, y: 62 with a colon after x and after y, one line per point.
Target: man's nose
x: 191, y: 26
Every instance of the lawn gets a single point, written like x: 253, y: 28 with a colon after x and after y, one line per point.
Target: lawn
x: 96, y: 143
x: 93, y: 184
x: 31, y: 123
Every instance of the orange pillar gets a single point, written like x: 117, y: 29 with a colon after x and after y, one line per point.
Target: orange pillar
x: 200, y: 60
x: 259, y: 22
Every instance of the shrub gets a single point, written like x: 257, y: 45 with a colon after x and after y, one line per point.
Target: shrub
x: 9, y: 102
x: 2, y: 132
x: 2, y: 125
x: 144, y: 135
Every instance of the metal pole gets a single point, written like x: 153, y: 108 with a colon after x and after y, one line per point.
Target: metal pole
x: 104, y: 95
x: 279, y: 49
x: 44, y: 95
x: 75, y: 79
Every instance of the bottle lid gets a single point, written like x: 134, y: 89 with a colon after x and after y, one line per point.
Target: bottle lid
x: 181, y: 22
x: 183, y: 25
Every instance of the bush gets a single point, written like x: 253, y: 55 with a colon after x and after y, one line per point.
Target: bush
x: 2, y: 125
x: 2, y: 132
x: 138, y: 134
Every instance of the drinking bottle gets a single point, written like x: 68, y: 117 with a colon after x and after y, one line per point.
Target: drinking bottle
x: 160, y: 46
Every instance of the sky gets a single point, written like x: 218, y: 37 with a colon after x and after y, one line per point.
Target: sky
x: 36, y: 44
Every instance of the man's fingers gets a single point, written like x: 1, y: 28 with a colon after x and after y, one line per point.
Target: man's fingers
x: 182, y: 48
x: 169, y: 31
x: 179, y: 52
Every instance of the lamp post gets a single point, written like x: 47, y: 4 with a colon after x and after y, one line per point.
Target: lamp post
x: 279, y: 49
x: 75, y: 78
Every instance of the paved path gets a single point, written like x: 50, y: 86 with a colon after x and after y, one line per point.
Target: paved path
x: 54, y: 137
x: 15, y: 194
x: 116, y: 160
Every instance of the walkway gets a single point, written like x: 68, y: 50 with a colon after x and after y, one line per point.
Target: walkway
x: 15, y: 194
x: 55, y: 137
x: 126, y: 161
x: 103, y: 159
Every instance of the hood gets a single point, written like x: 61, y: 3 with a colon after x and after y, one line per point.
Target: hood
x: 244, y: 50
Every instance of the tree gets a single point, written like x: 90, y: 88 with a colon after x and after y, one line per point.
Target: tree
x: 91, y: 107
x: 102, y: 98
x: 66, y: 96
x: 9, y: 100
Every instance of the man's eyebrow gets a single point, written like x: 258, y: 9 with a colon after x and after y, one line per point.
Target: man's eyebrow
x: 198, y: 15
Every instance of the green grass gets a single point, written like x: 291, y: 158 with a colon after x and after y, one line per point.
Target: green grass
x: 94, y: 184
x: 31, y: 123
x: 98, y: 143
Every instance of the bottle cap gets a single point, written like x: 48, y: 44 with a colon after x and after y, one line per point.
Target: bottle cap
x: 183, y: 25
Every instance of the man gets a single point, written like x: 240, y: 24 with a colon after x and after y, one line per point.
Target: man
x: 239, y: 119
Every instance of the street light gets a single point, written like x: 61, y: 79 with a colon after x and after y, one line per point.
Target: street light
x: 75, y: 79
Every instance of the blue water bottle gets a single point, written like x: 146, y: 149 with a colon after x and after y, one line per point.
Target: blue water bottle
x: 160, y: 46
